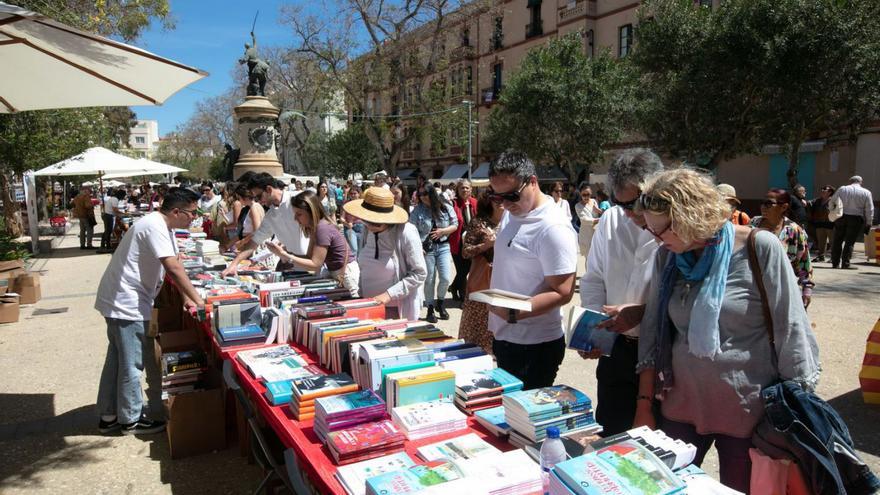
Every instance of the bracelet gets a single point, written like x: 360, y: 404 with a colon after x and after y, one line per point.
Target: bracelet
x: 644, y: 397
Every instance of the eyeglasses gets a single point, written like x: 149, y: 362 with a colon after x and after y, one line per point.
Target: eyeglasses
x: 653, y: 203
x: 191, y: 213
x: 558, y: 191
x: 511, y: 197
x: 769, y: 203
x: 659, y: 235
x: 626, y: 205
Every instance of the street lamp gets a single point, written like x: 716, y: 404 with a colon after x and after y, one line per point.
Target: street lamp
x: 470, y: 106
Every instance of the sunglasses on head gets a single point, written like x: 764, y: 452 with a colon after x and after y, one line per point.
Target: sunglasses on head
x: 653, y: 203
x: 511, y: 197
x: 626, y: 205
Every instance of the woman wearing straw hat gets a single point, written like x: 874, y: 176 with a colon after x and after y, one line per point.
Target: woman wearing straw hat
x: 391, y: 261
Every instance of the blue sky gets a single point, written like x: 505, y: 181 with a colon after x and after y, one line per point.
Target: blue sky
x: 209, y: 35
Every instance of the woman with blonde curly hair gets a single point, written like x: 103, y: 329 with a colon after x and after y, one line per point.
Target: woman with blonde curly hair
x: 704, y: 351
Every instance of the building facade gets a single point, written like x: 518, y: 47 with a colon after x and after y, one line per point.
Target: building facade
x: 143, y: 141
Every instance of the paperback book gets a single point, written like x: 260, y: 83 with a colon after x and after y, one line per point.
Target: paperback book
x: 581, y: 332
x: 364, y: 441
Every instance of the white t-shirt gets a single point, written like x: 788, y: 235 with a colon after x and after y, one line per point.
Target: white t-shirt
x: 134, y: 275
x: 110, y: 205
x: 564, y: 208
x: 207, y: 204
x: 527, y: 249
x: 280, y: 222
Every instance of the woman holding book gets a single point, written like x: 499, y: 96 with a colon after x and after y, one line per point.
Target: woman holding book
x: 391, y: 260
x: 478, y: 246
x: 327, y: 246
x: 435, y: 220
x: 703, y: 341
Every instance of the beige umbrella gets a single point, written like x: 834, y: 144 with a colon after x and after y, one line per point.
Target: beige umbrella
x: 47, y: 64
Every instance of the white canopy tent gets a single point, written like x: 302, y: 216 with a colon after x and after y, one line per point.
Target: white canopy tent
x: 149, y: 167
x: 50, y: 65
x: 93, y: 161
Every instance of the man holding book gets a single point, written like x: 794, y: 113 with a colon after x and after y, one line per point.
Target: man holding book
x: 618, y: 274
x: 536, y: 256
x: 125, y: 299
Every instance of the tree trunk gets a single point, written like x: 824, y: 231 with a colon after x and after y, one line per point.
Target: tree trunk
x: 11, y: 215
x: 793, y: 162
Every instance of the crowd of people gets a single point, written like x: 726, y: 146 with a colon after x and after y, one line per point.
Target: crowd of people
x: 669, y: 257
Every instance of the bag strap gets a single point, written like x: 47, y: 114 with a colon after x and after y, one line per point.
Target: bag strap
x: 759, y: 280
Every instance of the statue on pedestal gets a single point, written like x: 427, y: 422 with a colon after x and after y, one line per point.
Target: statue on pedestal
x: 258, y: 69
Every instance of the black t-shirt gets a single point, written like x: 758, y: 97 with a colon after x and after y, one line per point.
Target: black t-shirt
x: 798, y: 211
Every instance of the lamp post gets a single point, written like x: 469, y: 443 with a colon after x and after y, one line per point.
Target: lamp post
x: 470, y: 106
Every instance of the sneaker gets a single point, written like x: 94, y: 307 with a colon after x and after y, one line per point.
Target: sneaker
x: 819, y: 259
x: 108, y: 426
x: 143, y: 426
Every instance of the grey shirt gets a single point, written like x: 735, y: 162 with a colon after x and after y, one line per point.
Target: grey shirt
x: 722, y: 394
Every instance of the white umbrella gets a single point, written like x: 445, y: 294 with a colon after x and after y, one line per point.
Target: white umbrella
x: 148, y: 167
x: 93, y: 161
x: 47, y: 64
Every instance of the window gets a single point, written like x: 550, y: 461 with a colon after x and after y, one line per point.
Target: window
x: 496, y: 81
x: 705, y: 3
x: 536, y: 26
x: 466, y: 37
x: 469, y: 75
x: 140, y: 140
x: 591, y: 47
x: 626, y: 40
x: 498, y: 34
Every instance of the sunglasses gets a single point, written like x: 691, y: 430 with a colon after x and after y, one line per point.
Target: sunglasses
x: 510, y: 197
x: 653, y: 203
x: 659, y: 235
x: 558, y: 191
x: 626, y: 205
x: 769, y: 203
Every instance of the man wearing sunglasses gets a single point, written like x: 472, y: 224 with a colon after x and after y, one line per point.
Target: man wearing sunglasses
x: 619, y: 271
x: 535, y: 255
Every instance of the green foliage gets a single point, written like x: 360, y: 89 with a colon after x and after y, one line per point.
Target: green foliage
x: 563, y: 107
x: 347, y: 152
x: 123, y: 18
x: 9, y: 249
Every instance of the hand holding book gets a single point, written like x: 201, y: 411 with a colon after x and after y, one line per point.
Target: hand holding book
x: 622, y: 317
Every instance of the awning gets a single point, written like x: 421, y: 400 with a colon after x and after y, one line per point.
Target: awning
x: 551, y: 174
x: 407, y: 173
x: 454, y: 173
x: 482, y: 171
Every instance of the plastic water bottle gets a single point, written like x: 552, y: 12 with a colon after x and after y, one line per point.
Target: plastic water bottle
x: 552, y: 453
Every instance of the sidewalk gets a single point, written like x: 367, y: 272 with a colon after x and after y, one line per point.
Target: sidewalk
x: 49, y: 369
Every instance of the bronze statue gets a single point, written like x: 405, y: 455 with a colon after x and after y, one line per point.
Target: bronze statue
x: 258, y: 69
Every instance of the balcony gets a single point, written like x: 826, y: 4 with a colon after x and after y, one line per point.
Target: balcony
x: 534, y: 29
x: 490, y: 95
x: 577, y: 9
x: 465, y: 52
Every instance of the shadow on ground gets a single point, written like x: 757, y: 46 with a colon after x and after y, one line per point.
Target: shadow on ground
x: 69, y: 252
x: 861, y: 419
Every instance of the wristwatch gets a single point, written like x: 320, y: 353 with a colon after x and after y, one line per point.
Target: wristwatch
x: 511, y: 315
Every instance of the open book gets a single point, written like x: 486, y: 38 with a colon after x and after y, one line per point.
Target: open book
x: 502, y: 299
x: 581, y: 332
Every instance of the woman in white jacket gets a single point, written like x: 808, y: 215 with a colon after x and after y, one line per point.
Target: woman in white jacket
x: 588, y: 213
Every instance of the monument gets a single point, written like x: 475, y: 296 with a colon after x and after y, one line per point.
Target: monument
x: 256, y: 119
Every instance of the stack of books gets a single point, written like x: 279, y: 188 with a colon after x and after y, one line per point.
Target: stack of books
x: 494, y: 421
x: 339, y: 412
x: 417, y: 478
x: 274, y: 363
x: 463, y: 448
x: 675, y: 453
x: 182, y: 371
x: 306, y: 390
x: 369, y: 358
x: 353, y: 477
x: 365, y: 441
x: 625, y: 467
x: 418, y: 385
x: 484, y: 389
x: 531, y: 412
x: 427, y: 419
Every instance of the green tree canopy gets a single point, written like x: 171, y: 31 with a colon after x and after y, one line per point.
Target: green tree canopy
x: 563, y: 107
x: 347, y: 152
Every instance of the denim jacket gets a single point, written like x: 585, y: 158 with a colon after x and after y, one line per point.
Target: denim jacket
x: 800, y: 426
x: 423, y: 220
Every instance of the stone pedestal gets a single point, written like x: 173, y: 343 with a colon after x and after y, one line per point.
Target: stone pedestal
x: 255, y: 121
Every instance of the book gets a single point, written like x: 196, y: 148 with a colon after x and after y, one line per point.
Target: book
x: 312, y: 387
x: 493, y: 420
x: 697, y: 481
x: 626, y: 467
x: 420, y: 385
x: 581, y: 332
x: 675, y: 453
x: 273, y: 363
x: 364, y: 441
x: 460, y: 448
x: 413, y: 479
x: 174, y: 362
x: 347, y: 410
x: 427, y: 419
x: 353, y: 477
x: 502, y: 299
x: 494, y: 381
x: 504, y: 473
x: 546, y: 402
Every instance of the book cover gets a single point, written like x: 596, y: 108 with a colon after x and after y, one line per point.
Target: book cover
x: 457, y: 449
x: 353, y: 477
x: 173, y: 362
x: 422, y: 387
x: 414, y: 479
x: 581, y: 332
x: 427, y: 414
x: 318, y: 386
x: 546, y: 401
x: 488, y: 382
x: 493, y: 420
x: 336, y: 404
x: 365, y: 436
x: 502, y: 299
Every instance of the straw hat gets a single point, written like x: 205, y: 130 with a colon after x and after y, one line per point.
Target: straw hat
x: 377, y: 206
x: 728, y: 192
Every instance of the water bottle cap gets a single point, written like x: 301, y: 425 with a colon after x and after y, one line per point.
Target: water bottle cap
x: 552, y: 432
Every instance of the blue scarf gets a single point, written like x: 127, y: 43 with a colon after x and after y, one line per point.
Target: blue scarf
x: 704, y: 339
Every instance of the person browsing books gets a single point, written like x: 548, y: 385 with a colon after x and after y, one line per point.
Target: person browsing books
x: 390, y: 257
x: 704, y: 348
x: 536, y: 256
x: 279, y: 220
x: 125, y: 300
x: 619, y: 271
x: 327, y: 246
x: 435, y: 219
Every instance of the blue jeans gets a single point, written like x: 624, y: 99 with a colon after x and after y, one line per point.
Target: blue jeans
x: 439, y: 265
x: 120, y: 393
x: 354, y: 235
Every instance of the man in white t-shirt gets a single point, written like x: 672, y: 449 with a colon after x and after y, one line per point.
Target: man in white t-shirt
x: 279, y: 220
x: 125, y: 300
x: 109, y: 214
x: 535, y: 255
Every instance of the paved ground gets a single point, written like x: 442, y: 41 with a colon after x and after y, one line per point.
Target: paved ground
x: 50, y: 364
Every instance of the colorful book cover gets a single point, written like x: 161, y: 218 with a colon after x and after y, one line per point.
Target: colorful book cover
x: 414, y: 479
x: 278, y: 393
x: 318, y: 386
x: 555, y: 400
x: 626, y: 468
x: 336, y: 404
x: 457, y: 449
x: 423, y: 388
x: 232, y: 334
x: 582, y: 334
x: 365, y: 436
x: 493, y: 381
x: 354, y: 476
x: 427, y: 414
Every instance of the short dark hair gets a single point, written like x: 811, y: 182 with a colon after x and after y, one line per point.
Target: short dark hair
x: 262, y: 181
x: 208, y: 183
x: 178, y: 197
x: 512, y: 162
x: 632, y: 167
x: 246, y: 177
x: 119, y: 194
x: 782, y: 196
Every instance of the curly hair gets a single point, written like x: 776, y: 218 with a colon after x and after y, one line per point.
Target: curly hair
x: 695, y: 207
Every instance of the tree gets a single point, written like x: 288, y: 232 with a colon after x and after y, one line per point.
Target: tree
x: 718, y: 83
x: 562, y: 106
x: 347, y: 152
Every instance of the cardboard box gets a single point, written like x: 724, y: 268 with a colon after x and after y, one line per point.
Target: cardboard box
x: 11, y: 265
x: 197, y: 420
x: 175, y: 341
x: 11, y: 275
x: 28, y: 287
x: 9, y: 308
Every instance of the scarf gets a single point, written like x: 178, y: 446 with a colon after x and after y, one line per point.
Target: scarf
x: 704, y: 339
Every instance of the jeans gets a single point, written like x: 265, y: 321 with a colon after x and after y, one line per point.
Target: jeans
x: 439, y: 265
x: 86, y: 232
x: 617, y: 387
x: 733, y: 453
x: 462, y: 267
x: 108, y: 230
x: 823, y: 238
x: 354, y: 235
x: 847, y: 229
x: 535, y: 364
x: 120, y: 393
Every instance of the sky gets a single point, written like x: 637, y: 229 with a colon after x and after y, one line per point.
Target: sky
x: 209, y: 35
